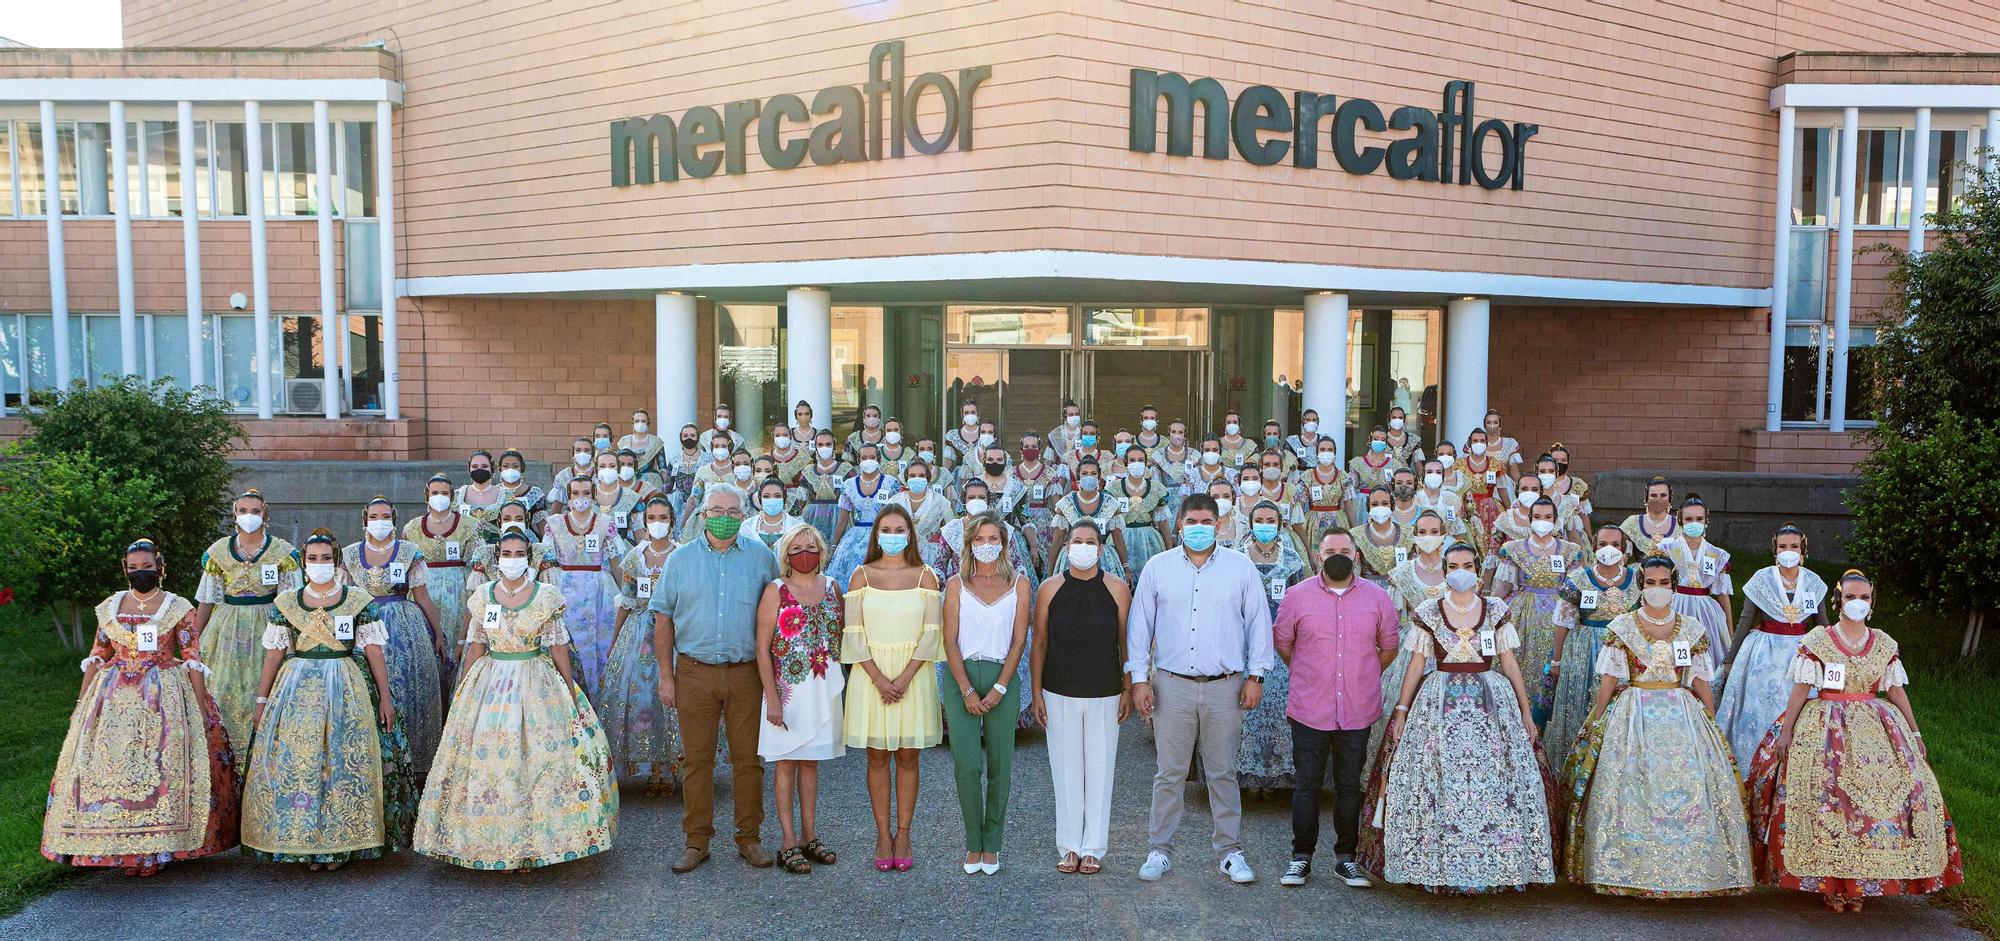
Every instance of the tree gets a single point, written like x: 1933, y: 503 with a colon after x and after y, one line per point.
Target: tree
x: 65, y: 520
x: 179, y: 439
x: 1944, y: 349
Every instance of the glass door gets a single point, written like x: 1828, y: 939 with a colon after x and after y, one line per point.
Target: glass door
x: 1019, y: 390
x: 1118, y: 383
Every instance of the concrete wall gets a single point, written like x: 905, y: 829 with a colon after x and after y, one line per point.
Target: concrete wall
x: 304, y: 495
x: 1744, y: 509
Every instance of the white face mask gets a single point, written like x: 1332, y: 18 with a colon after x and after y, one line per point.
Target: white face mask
x: 509, y: 475
x: 1311, y: 427
x: 971, y: 420
x: 1548, y: 480
x: 1395, y: 424
x: 1460, y: 580
x: 513, y: 568
x: 825, y: 452
x: 1073, y: 420
x: 1149, y: 423
x: 1790, y: 559
x: 1657, y: 597
x: 438, y: 503
x: 1251, y: 488
x: 722, y: 424
x: 987, y: 552
x: 742, y: 472
x: 1135, y: 469
x: 1610, y: 555
x: 515, y: 525
x: 1446, y: 460
x: 1429, y: 543
x: 1433, y: 481
x: 870, y: 465
x: 1855, y: 609
x: 658, y: 529
x: 870, y: 421
x: 985, y: 440
x: 1478, y: 447
x: 627, y: 473
x: 1542, y: 527
x: 1378, y: 515
x: 639, y: 427
x: 1232, y: 429
x: 1211, y: 458
x: 319, y: 573
x: 1083, y: 556
x: 582, y: 458
x: 607, y: 475
x: 975, y: 506
x: 781, y: 443
x: 1527, y: 498
x: 1326, y: 458
x: 381, y: 529
x: 249, y: 522
x: 893, y: 437
x: 1224, y: 506
x: 719, y: 454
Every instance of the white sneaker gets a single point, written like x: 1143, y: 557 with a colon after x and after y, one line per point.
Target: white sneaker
x: 1237, y: 868
x: 1157, y: 865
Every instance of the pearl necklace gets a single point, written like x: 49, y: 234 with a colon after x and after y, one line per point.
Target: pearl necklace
x: 312, y: 592
x: 1467, y: 608
x: 142, y: 602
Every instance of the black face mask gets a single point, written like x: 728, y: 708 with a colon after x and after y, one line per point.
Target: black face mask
x: 1562, y: 468
x: 480, y: 475
x: 995, y: 468
x: 1405, y: 492
x: 143, y: 580
x: 1339, y: 567
x: 687, y: 444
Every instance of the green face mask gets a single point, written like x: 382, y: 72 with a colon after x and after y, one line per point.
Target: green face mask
x: 723, y: 527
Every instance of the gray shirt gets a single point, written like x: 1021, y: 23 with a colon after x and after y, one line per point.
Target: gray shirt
x: 1204, y: 621
x: 712, y: 598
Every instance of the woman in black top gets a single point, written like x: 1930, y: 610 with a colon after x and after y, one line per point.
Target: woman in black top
x: 1080, y: 693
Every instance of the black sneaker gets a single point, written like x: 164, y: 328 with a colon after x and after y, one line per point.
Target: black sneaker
x: 1351, y: 874
x: 1296, y: 872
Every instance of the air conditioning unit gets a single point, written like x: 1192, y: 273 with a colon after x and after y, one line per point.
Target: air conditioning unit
x: 305, y: 397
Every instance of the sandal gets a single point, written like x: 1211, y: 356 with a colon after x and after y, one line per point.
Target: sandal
x: 1090, y: 866
x: 1068, y: 864
x: 793, y: 860
x: 818, y: 853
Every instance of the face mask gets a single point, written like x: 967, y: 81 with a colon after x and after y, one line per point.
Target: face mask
x: 639, y: 428
x: 1460, y: 580
x: 249, y: 522
x: 870, y: 465
x: 1789, y: 559
x: 658, y: 529
x: 1338, y: 567
x: 508, y: 475
x: 1378, y: 515
x: 918, y: 485
x: 1264, y: 532
x: 1657, y: 597
x: 514, y: 525
x: 607, y: 475
x: 480, y: 475
x: 1072, y: 420
x: 1326, y: 458
x: 927, y: 456
x: 782, y: 442
x: 893, y: 437
x: 1087, y: 484
x: 1135, y: 469
x: 1478, y: 448
x: 1272, y: 473
x: 1403, y: 493
x: 1031, y: 454
x: 601, y: 444
x: 1446, y: 460
x: 1855, y: 609
x: 893, y: 543
x: 687, y: 444
x: 1548, y: 480
x: 1199, y: 537
x: 581, y: 458
x: 975, y: 506
x: 627, y: 473
x: 722, y: 424
x: 1542, y: 527
x: 1378, y: 447
x: 1395, y: 424
x: 1270, y: 441
x: 144, y: 581
x: 1428, y: 543
x: 580, y: 504
x: 1433, y: 481
x: 319, y: 573
x: 719, y: 454
x: 513, y: 568
x: 1493, y: 429
x: 806, y: 561
x: 1610, y: 555
x: 742, y: 472
x: 1311, y: 427
x: 1695, y: 530
x: 985, y: 440
x: 870, y: 421
x: 990, y: 552
x: 1087, y: 441
x: 1251, y: 488
x: 1232, y: 429
x: 722, y: 527
x: 994, y: 468
x: 438, y: 503
x: 1211, y: 458
x: 825, y: 452
x: 1149, y: 423
x: 971, y: 420
x: 1083, y: 556
x: 381, y: 529
x: 1225, y: 506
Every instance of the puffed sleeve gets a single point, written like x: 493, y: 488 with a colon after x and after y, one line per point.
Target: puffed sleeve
x: 1894, y: 676
x: 475, y: 613
x: 555, y: 632
x: 854, y: 635
x: 209, y: 591
x: 1417, y: 641
x: 1505, y: 637
x: 277, y: 637
x: 1806, y: 669
x: 930, y: 644
x: 1725, y: 585
x: 1504, y: 569
x: 1702, y: 667
x: 371, y: 634
x: 418, y: 575
x: 187, y: 637
x: 291, y: 572
x: 1612, y: 662
x: 847, y: 498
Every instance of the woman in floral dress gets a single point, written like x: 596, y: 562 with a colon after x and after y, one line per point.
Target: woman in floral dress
x: 146, y: 774
x: 1417, y: 580
x: 643, y: 734
x: 1781, y: 603
x: 1705, y: 590
x: 1529, y: 577
x: 1843, y: 799
x: 395, y: 575
x: 1592, y: 597
x: 1368, y: 473
x: 770, y: 522
x: 1176, y: 463
x: 1264, y: 756
x: 1656, y: 523
x: 447, y: 539
x: 1655, y: 808
x: 799, y: 624
x: 513, y: 517
x: 584, y: 549
x: 241, y: 574
x: 1033, y: 489
x: 1487, y: 487
x: 650, y: 449
x: 1380, y: 540
x: 680, y: 466
x: 861, y: 498
x: 1140, y: 496
x: 1088, y: 501
x: 1325, y: 487
x: 819, y: 484
x: 523, y: 778
x: 1512, y: 524
x: 329, y: 778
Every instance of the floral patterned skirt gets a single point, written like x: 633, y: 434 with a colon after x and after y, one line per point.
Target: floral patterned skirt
x: 414, y: 678
x: 325, y: 782
x: 644, y: 736
x: 1756, y: 693
x: 1264, y: 755
x: 231, y: 645
x: 1575, y: 692
x: 590, y: 612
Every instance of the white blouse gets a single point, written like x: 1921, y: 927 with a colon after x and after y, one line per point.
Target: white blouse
x: 986, y: 631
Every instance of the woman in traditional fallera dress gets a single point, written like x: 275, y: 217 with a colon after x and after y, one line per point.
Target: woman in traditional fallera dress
x: 1459, y: 800
x: 1705, y: 589
x: 146, y: 774
x: 770, y: 522
x: 1656, y: 522
x: 447, y: 538
x: 1592, y: 597
x: 1368, y: 473
x: 643, y: 733
x: 241, y: 574
x: 523, y: 778
x: 329, y: 778
x: 861, y: 498
x: 513, y: 517
x: 1325, y: 488
x: 585, y: 549
x: 1140, y: 495
x: 1031, y: 492
x: 1843, y: 799
x: 1781, y: 603
x: 1382, y: 543
x: 799, y: 624
x: 1088, y: 501
x: 650, y: 449
x: 1529, y: 577
x: 819, y: 486
x: 1655, y: 808
x: 1414, y: 582
x: 395, y: 575
x: 680, y: 467
x: 928, y: 506
x: 1264, y: 755
x: 1487, y: 488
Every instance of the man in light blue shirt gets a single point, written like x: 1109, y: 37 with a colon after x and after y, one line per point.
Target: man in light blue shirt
x: 1198, y: 643
x: 705, y: 616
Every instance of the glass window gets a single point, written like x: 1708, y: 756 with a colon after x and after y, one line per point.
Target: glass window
x: 364, y: 362
x: 1146, y: 326
x: 162, y: 174
x: 41, y: 350
x: 231, y: 161
x: 358, y: 169
x: 364, y: 265
x: 1809, y: 372
x: 170, y: 347
x: 1878, y: 178
x: 10, y: 359
x: 1945, y: 175
x: 889, y: 358
x: 1009, y: 325
x: 236, y: 373
x: 749, y: 375
x: 7, y: 165
x: 1813, y: 176
x: 101, y: 349
x: 30, y: 160
x: 1806, y: 299
x: 83, y: 160
x: 290, y: 179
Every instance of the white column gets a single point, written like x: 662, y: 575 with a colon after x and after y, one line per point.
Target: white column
x: 121, y: 214
x: 328, y: 339
x: 674, y: 368
x: 1467, y: 326
x: 1326, y: 363
x: 1920, y: 154
x: 1781, y: 269
x: 260, y: 259
x: 385, y: 230
x: 1843, y: 272
x: 58, y: 276
x: 191, y: 249
x: 809, y: 351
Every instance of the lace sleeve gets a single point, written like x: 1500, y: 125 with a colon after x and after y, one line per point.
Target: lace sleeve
x: 1806, y: 669
x: 1611, y: 662
x: 277, y: 637
x: 1895, y: 675
x: 1506, y: 637
x: 1702, y: 667
x: 209, y: 591
x: 371, y: 634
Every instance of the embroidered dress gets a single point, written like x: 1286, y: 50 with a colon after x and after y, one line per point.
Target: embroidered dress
x: 1576, y: 683
x: 1699, y: 576
x: 1760, y: 668
x: 1536, y: 574
x: 1449, y: 505
x: 1292, y: 502
x: 821, y: 488
x: 931, y: 517
x: 1137, y: 516
x: 326, y: 783
x: 680, y: 467
x: 1234, y: 456
x: 415, y: 676
x: 523, y: 778
x: 1409, y: 590
x: 1487, y: 488
x: 445, y: 556
x: 805, y: 663
x: 1408, y: 452
x: 652, y: 450
x: 1031, y: 499
x: 959, y: 452
x: 486, y: 516
x: 1070, y: 509
x: 1461, y: 803
x: 643, y: 735
x: 1380, y: 552
x: 1325, y: 493
x: 484, y: 568
x: 1655, y: 808
x: 241, y: 589
x: 583, y: 560
x: 1175, y: 473
x: 624, y: 511
x: 1645, y: 541
x: 1264, y: 754
x: 1509, y: 526
x: 892, y: 628
x: 1853, y: 809
x: 146, y: 774
x: 861, y: 506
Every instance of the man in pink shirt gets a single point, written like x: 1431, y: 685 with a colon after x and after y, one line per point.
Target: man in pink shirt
x: 1336, y: 632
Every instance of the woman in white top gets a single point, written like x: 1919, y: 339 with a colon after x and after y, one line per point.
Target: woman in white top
x: 985, y: 628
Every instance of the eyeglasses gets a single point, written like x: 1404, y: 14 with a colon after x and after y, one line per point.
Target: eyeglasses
x: 724, y: 511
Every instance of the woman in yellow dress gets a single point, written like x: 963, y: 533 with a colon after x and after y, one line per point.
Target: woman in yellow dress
x: 242, y: 573
x: 523, y: 776
x: 894, y: 632
x: 447, y: 538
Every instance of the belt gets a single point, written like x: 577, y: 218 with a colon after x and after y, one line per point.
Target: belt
x: 1595, y: 622
x: 1202, y: 679
x: 392, y: 597
x: 1544, y: 592
x: 322, y: 654
x: 824, y: 502
x: 1696, y: 591
x: 444, y: 565
x: 1655, y: 684
x: 515, y: 654
x: 247, y: 600
x: 582, y: 568
x: 1478, y: 667
x: 1783, y: 628
x: 1826, y: 696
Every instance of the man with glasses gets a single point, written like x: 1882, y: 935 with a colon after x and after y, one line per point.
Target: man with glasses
x: 705, y: 611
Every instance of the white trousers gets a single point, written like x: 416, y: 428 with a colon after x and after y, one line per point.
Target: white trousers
x: 1083, y: 752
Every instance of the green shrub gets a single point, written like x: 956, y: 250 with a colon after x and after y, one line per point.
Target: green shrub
x: 65, y: 520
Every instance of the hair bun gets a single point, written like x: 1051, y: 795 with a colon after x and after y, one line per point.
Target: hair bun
x: 1855, y: 573
x: 321, y: 531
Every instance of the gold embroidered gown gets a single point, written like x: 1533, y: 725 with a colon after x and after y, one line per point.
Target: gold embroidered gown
x: 241, y: 589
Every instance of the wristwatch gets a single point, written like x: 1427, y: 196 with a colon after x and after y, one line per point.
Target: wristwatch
x: 1002, y: 690
x: 1254, y: 678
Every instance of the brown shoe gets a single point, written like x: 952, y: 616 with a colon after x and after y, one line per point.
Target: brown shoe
x: 754, y: 855
x: 690, y: 859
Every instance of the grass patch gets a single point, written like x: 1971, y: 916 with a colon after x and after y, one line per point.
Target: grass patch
x: 36, y: 698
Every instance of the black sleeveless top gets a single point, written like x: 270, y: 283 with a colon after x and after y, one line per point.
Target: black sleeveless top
x: 1083, y: 659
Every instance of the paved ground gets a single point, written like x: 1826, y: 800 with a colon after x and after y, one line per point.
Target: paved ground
x: 629, y: 893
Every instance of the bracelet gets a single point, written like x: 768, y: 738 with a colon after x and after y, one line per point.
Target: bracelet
x: 261, y: 700
x: 1402, y: 708
x: 1002, y: 690
x: 967, y: 691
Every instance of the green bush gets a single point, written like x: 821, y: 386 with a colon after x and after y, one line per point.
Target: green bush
x: 1940, y: 345
x: 65, y: 520
x: 180, y: 440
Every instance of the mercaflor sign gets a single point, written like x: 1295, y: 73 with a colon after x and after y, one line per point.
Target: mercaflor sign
x: 1446, y: 146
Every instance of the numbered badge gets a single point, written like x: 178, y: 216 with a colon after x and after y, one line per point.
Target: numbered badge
x: 1277, y: 588
x: 268, y: 574
x: 1451, y: 514
x: 1589, y: 599
x: 1492, y: 477
x: 492, y: 616
x: 646, y: 588
x: 1810, y: 605
x: 343, y: 627
x: 1041, y: 491
x: 1835, y: 677
x: 1558, y: 565
x: 1708, y: 567
x: 1683, y: 653
x: 592, y: 543
x: 618, y: 522
x: 399, y: 573
x: 1124, y: 506
x: 1489, y: 645
x: 1402, y: 554
x: 454, y: 551
x: 148, y: 637
x: 1318, y: 493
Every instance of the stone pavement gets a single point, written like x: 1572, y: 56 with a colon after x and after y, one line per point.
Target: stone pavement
x: 629, y: 893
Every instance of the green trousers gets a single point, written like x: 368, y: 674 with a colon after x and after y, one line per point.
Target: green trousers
x: 981, y: 740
